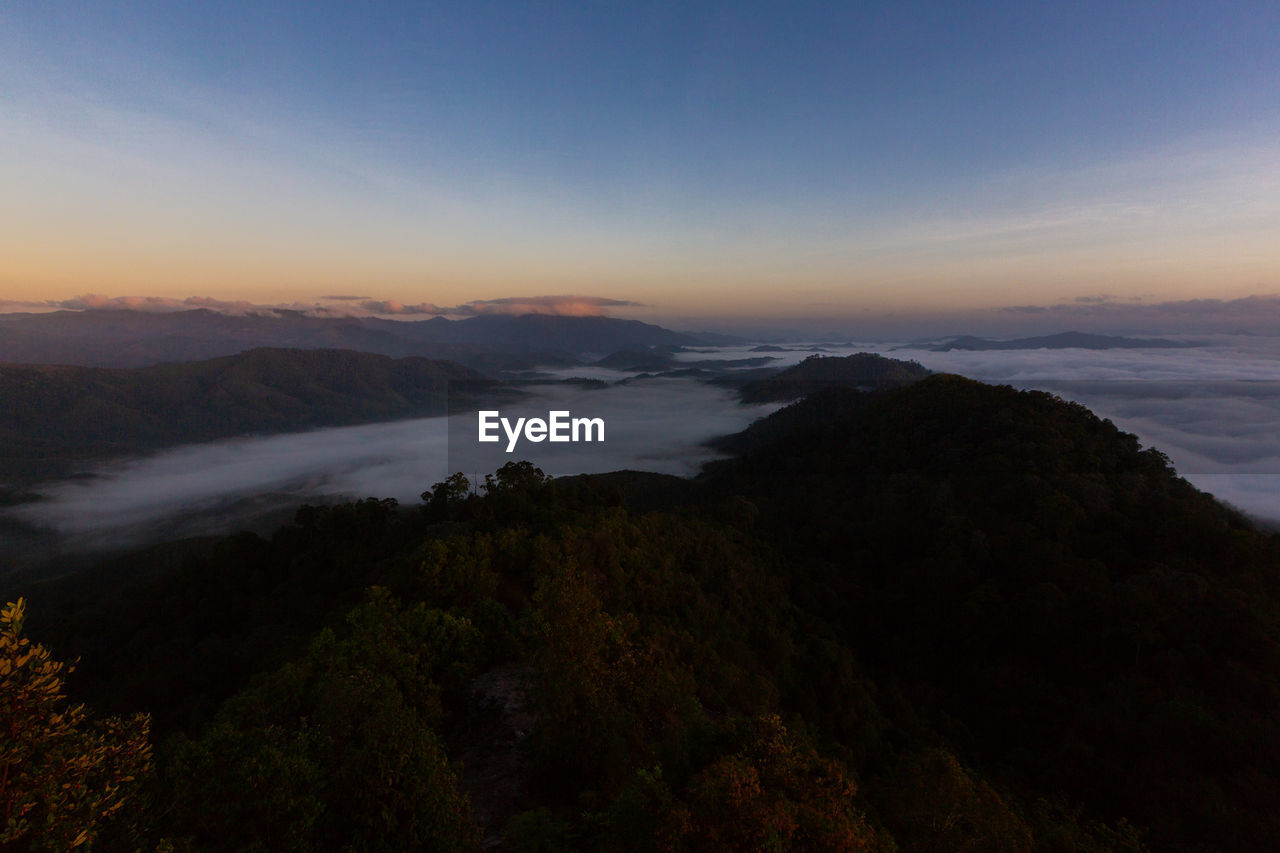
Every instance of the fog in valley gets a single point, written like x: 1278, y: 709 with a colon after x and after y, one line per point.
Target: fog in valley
x: 1212, y: 409
x: 659, y: 425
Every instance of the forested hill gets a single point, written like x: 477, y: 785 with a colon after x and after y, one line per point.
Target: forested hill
x: 948, y: 616
x: 50, y: 415
x: 1067, y: 607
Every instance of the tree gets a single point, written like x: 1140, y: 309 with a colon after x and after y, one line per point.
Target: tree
x: 453, y: 490
x: 777, y: 793
x: 515, y: 477
x: 61, y: 775
x: 934, y: 804
x: 337, y: 749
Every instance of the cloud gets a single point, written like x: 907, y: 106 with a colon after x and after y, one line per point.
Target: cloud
x: 1256, y: 313
x: 571, y: 305
x: 163, y: 304
x: 167, y: 304
x: 8, y: 306
x: 390, y: 306
x: 563, y: 305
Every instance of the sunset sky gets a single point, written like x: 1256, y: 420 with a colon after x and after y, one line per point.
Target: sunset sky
x: 739, y: 160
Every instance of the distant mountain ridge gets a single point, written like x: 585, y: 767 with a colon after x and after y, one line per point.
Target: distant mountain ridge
x: 1062, y: 340
x: 53, y: 416
x: 122, y: 338
x: 524, y: 332
x: 863, y: 371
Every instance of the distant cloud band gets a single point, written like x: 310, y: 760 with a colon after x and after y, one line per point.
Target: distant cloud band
x: 572, y: 305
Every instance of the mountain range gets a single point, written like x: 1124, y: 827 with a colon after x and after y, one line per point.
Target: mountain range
x: 126, y: 338
x: 1062, y: 340
x: 52, y: 416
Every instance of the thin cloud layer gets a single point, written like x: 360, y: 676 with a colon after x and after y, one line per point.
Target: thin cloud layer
x: 158, y: 304
x: 391, y: 307
x: 564, y: 305
x: 1259, y: 313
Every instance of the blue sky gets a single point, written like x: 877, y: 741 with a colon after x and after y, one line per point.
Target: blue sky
x: 791, y: 159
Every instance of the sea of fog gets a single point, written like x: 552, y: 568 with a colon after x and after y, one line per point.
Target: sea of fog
x: 1212, y: 409
x: 659, y: 425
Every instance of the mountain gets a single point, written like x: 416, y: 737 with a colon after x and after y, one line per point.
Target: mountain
x: 1063, y: 340
x: 51, y: 416
x: 863, y: 370
x: 1069, y: 608
x: 122, y: 338
x: 539, y: 331
x: 939, y: 616
x: 717, y: 339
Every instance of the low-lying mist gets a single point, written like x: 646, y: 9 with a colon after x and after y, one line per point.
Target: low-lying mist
x: 656, y: 425
x: 1212, y: 409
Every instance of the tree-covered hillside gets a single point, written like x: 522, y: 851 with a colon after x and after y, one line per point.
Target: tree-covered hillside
x: 943, y: 617
x: 52, y: 415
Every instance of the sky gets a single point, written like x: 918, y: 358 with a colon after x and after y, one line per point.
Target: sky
x: 741, y: 161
